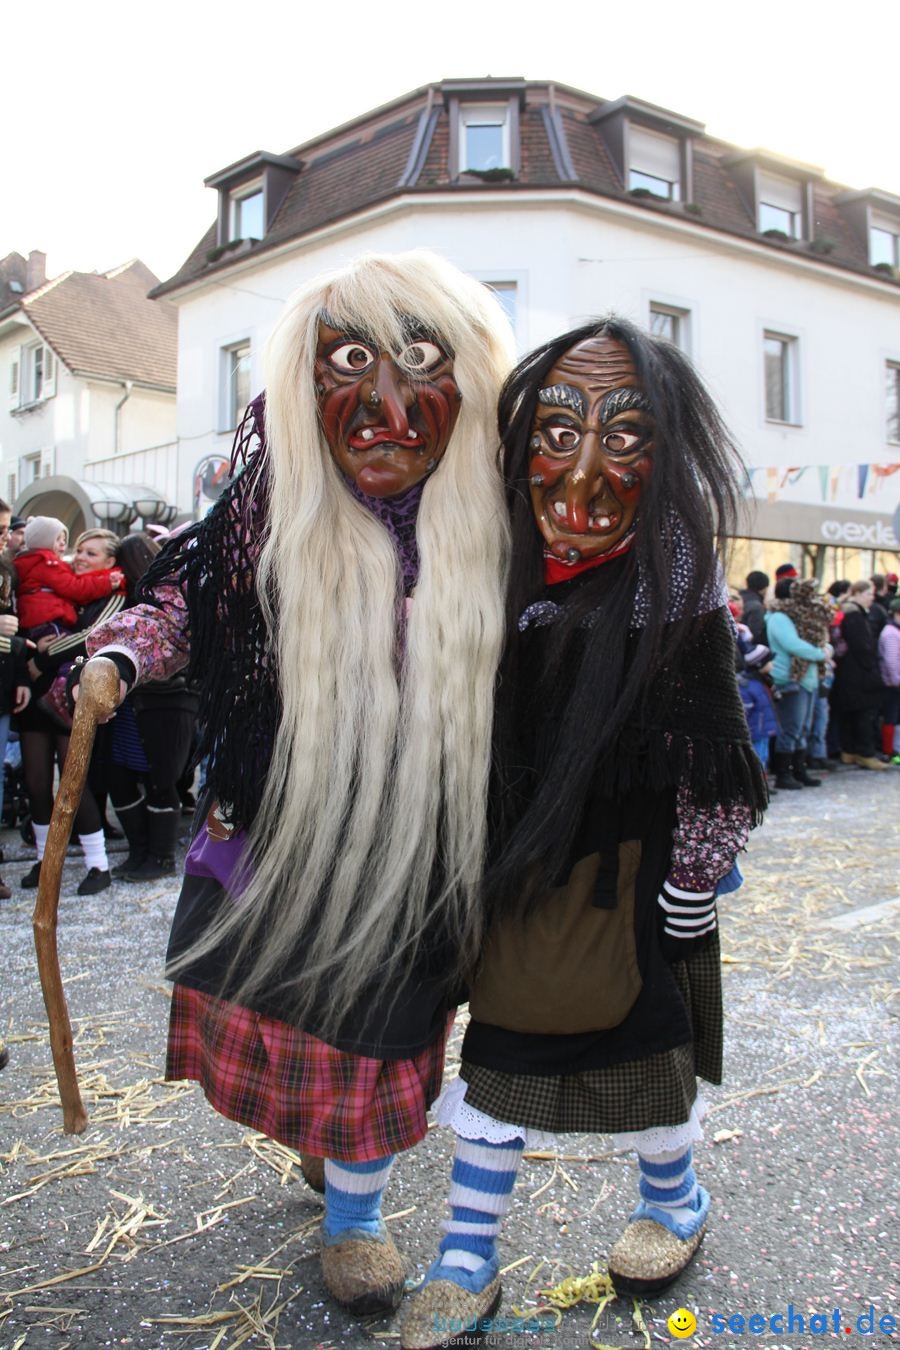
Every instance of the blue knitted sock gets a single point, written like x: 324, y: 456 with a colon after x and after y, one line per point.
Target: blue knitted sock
x: 670, y: 1193
x: 480, y: 1191
x: 353, y: 1194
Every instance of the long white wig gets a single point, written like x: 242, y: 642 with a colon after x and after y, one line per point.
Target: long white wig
x: 373, y: 821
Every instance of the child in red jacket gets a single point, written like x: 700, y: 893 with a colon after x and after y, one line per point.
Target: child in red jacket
x: 49, y: 591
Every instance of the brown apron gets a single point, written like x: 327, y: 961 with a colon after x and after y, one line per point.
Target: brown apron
x: 570, y: 966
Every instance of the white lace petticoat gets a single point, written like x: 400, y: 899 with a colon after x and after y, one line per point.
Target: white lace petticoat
x: 451, y: 1109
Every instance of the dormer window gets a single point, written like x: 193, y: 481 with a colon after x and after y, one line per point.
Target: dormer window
x: 250, y: 195
x: 484, y: 141
x: 483, y: 125
x: 246, y: 214
x: 884, y: 240
x: 654, y: 163
x: 651, y: 147
x: 779, y: 205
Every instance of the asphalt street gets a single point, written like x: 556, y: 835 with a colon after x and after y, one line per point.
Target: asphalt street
x: 165, y: 1225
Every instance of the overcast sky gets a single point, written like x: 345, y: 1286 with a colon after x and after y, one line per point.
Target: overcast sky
x: 115, y: 113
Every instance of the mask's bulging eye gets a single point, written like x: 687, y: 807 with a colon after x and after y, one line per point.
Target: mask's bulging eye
x: 351, y: 357
x: 563, y: 437
x: 420, y: 356
x: 620, y: 442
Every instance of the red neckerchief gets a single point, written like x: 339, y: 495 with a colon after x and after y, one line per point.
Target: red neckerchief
x: 555, y: 570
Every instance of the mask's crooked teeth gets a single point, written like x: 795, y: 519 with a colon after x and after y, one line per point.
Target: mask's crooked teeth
x: 367, y: 434
x: 560, y: 509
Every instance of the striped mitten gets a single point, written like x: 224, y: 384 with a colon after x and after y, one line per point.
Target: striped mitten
x: 687, y: 917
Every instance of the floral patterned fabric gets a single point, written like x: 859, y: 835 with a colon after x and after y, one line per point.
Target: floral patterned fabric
x: 706, y: 842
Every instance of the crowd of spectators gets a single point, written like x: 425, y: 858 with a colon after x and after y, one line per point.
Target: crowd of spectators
x: 819, y: 674
x: 47, y: 607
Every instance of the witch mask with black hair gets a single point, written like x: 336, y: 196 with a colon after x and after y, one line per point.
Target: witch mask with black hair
x: 620, y: 478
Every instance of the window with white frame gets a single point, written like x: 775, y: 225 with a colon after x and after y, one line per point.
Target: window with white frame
x: 484, y: 141
x: 654, y: 163
x: 33, y: 375
x: 31, y: 469
x: 505, y: 291
x: 884, y: 241
x: 780, y: 205
x: 671, y: 323
x: 892, y: 401
x: 782, y: 378
x: 246, y: 216
x: 235, y: 383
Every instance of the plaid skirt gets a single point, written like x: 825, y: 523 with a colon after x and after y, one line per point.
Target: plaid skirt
x: 297, y: 1089
x: 640, y: 1094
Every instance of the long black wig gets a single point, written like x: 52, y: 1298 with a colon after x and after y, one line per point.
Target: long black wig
x: 607, y: 679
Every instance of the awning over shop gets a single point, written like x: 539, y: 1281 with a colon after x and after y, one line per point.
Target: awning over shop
x: 82, y: 505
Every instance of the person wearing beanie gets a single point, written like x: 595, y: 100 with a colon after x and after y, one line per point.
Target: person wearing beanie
x: 754, y: 598
x: 796, y: 673
x: 755, y: 689
x: 48, y: 593
x: 49, y: 590
x: 785, y: 571
x: 15, y: 539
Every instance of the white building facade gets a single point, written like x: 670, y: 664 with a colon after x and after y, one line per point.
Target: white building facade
x: 87, y: 424
x: 795, y: 327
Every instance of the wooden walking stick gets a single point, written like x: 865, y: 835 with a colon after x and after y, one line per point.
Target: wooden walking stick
x: 97, y: 698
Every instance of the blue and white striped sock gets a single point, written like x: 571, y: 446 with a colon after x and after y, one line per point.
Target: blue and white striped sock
x: 353, y: 1194
x: 480, y: 1192
x: 670, y: 1193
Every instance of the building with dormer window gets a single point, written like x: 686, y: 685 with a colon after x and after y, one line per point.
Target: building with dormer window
x: 782, y: 286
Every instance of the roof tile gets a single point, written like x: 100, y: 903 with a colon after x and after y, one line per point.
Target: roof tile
x: 104, y: 325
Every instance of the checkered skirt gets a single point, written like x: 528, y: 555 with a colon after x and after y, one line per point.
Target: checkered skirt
x: 296, y: 1088
x: 640, y: 1094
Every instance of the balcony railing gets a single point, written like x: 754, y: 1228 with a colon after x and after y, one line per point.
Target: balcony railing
x: 156, y: 467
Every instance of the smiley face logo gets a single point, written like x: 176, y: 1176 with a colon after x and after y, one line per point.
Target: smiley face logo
x: 682, y: 1323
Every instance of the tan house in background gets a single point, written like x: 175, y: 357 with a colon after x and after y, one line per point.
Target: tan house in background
x: 87, y: 424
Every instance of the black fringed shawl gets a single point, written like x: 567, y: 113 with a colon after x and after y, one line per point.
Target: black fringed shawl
x: 231, y: 658
x: 689, y: 728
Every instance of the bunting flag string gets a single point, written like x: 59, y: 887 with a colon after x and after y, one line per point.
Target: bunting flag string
x: 823, y: 480
x: 772, y: 484
x: 864, y: 479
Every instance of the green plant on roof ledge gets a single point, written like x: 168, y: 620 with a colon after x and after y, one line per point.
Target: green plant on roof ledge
x: 777, y: 236
x: 214, y: 254
x: 822, y: 244
x: 693, y: 208
x: 492, y: 175
x: 645, y: 194
x: 887, y: 270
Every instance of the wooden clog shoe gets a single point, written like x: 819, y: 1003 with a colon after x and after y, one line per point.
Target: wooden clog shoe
x: 364, y: 1272
x: 647, y: 1258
